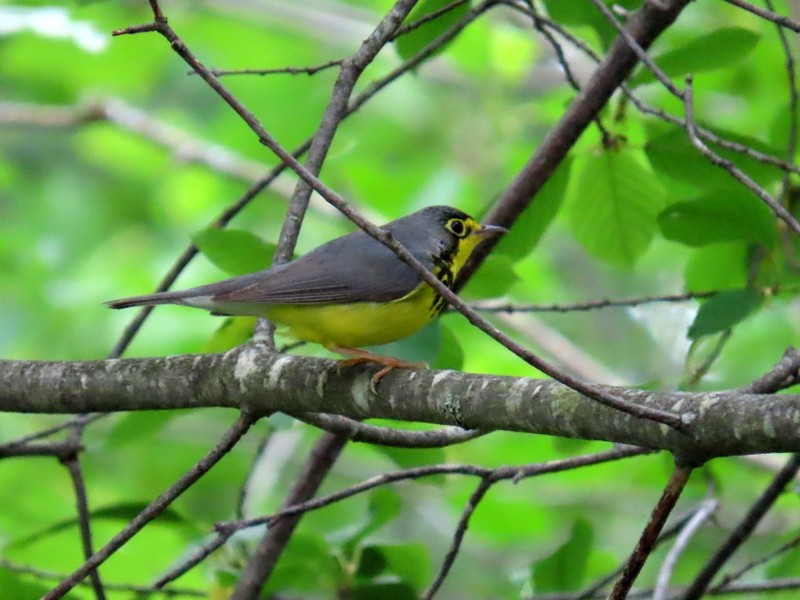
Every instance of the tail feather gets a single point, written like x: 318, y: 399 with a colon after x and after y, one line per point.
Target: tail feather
x: 148, y: 300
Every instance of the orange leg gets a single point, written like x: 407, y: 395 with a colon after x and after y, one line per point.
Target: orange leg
x: 388, y: 363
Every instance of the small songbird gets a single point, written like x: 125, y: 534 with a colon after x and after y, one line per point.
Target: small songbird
x: 352, y: 291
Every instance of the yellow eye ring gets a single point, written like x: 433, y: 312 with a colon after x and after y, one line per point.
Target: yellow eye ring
x: 457, y: 227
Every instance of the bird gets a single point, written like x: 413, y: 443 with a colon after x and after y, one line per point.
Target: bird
x: 350, y: 292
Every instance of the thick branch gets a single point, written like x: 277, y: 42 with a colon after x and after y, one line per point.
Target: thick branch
x: 720, y: 423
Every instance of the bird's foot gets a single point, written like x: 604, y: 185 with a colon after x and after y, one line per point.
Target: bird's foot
x: 387, y: 363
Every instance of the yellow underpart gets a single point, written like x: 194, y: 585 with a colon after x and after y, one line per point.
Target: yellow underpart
x: 358, y: 324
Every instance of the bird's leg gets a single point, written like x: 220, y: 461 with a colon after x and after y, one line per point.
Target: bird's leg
x: 388, y: 363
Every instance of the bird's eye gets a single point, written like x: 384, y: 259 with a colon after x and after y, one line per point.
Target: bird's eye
x: 457, y: 227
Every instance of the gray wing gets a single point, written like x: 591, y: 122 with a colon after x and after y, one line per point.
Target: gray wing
x: 353, y: 268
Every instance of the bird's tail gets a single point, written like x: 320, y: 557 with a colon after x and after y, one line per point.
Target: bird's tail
x: 149, y: 300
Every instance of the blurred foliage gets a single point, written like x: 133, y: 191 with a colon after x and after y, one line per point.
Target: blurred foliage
x: 96, y: 210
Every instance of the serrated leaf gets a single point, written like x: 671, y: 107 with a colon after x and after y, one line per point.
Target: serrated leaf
x: 721, y: 216
x: 614, y: 202
x: 565, y: 568
x: 718, y: 49
x: 412, y: 42
x: 723, y: 311
x: 235, y: 251
x: 531, y: 225
x: 493, y: 278
x: 233, y: 332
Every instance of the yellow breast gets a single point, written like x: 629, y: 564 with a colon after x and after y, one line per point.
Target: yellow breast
x: 357, y: 324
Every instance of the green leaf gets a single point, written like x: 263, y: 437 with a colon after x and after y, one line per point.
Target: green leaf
x: 723, y: 311
x: 672, y: 153
x: 123, y: 511
x: 721, y: 216
x: 384, y: 506
x: 384, y: 591
x: 531, y: 225
x: 716, y: 267
x: 614, y: 201
x: 371, y: 563
x: 721, y: 48
x: 235, y: 251
x: 451, y: 354
x: 423, y: 346
x: 139, y: 427
x: 584, y: 13
x: 409, y: 458
x: 233, y: 332
x: 494, y: 278
x: 14, y: 586
x: 565, y: 568
x: 307, y: 565
x: 409, y: 562
x: 412, y: 42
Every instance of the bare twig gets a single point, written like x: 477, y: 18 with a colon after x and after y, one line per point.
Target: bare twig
x: 84, y: 518
x: 271, y: 545
x: 744, y: 528
x: 505, y: 307
x: 729, y: 578
x: 511, y: 473
x: 458, y: 537
x: 706, y: 509
x: 157, y: 506
x: 777, y: 208
x: 112, y: 587
x: 769, y: 15
x: 646, y: 543
x: 783, y: 375
x: 356, y: 431
x: 282, y: 70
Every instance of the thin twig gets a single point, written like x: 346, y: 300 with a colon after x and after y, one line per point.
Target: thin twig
x: 783, y: 375
x: 644, y: 547
x: 562, y: 61
x: 512, y: 473
x: 278, y: 71
x: 356, y: 431
x: 157, y: 506
x: 706, y: 509
x: 777, y: 208
x: 733, y: 576
x: 506, y: 307
x: 458, y: 537
x: 84, y: 518
x: 111, y: 587
x: 637, y: 48
x: 769, y: 15
x: 745, y: 528
x: 271, y: 545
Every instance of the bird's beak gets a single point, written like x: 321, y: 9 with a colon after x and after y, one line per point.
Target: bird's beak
x: 488, y: 231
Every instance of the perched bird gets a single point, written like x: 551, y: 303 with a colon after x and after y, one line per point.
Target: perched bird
x: 352, y: 291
